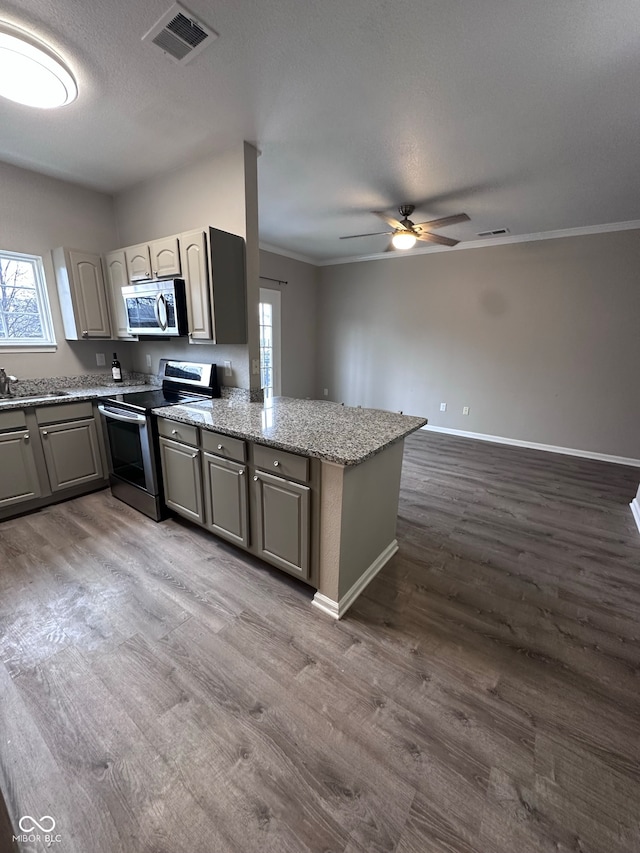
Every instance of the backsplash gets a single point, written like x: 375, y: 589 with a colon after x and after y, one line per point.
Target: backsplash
x: 29, y: 387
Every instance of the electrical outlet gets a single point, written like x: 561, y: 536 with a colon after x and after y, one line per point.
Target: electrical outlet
x: 465, y: 410
x: 443, y: 407
x: 148, y: 358
x: 326, y: 392
x: 227, y: 368
x: 100, y: 359
x: 255, y: 366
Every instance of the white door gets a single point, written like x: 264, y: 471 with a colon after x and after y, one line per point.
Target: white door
x: 270, y: 342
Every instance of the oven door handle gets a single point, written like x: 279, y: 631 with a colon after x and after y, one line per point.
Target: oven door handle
x: 156, y: 307
x: 118, y: 416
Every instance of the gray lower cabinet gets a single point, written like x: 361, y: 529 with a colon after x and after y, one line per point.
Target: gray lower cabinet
x: 18, y: 474
x: 182, y: 478
x: 225, y: 494
x: 282, y: 521
x: 72, y: 453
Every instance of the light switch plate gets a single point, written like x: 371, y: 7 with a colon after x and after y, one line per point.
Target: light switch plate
x: 100, y: 359
x: 148, y: 360
x: 255, y: 365
x: 227, y: 368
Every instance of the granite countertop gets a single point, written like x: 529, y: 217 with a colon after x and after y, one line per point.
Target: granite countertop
x: 72, y: 395
x: 328, y: 431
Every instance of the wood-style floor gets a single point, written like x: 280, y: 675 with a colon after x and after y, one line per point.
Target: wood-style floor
x: 162, y: 692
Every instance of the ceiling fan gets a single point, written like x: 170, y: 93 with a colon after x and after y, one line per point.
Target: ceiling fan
x: 405, y: 232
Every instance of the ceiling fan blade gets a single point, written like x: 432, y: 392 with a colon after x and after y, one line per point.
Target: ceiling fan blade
x: 446, y: 220
x: 436, y: 238
x: 374, y: 234
x: 388, y: 219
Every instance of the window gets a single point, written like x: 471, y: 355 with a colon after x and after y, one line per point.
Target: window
x: 25, y: 318
x: 266, y: 349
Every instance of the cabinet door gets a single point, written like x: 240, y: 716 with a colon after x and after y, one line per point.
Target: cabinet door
x: 182, y: 479
x: 18, y: 475
x: 282, y: 523
x: 193, y: 252
x: 89, y: 295
x: 225, y: 493
x: 165, y: 257
x: 72, y: 453
x: 138, y: 262
x: 116, y: 271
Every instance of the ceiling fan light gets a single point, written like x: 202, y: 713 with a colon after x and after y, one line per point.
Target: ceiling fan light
x: 31, y: 73
x: 404, y: 240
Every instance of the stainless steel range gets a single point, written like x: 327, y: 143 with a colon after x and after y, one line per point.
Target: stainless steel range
x: 132, y: 435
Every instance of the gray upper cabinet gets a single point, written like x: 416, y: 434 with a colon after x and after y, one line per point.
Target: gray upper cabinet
x: 18, y: 474
x: 165, y: 257
x: 115, y: 264
x: 282, y: 522
x: 82, y: 294
x: 182, y: 479
x: 225, y: 492
x: 193, y: 255
x: 228, y: 287
x: 156, y: 259
x: 138, y: 262
x: 72, y: 453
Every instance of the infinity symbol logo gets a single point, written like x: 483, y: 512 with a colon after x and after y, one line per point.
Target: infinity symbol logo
x: 45, y: 824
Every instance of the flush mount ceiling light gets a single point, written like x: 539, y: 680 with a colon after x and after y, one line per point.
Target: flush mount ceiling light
x: 31, y: 73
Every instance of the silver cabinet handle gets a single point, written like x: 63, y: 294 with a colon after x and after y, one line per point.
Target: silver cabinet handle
x: 174, y: 432
x: 26, y: 436
x: 193, y: 455
x: 276, y: 463
x: 85, y: 334
x: 219, y: 447
x: 241, y: 472
x: 44, y: 432
x: 255, y: 478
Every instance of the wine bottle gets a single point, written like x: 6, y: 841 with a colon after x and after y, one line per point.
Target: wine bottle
x: 116, y: 370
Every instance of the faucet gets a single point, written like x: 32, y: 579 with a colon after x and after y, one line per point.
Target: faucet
x: 5, y: 383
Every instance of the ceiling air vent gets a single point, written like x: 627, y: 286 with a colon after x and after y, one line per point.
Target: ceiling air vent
x: 179, y: 35
x: 498, y: 232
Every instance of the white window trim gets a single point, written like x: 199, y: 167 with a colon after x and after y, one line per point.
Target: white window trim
x: 47, y: 343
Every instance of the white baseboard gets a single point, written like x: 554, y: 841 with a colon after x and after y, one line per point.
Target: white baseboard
x: 635, y: 509
x: 337, y: 609
x: 533, y: 445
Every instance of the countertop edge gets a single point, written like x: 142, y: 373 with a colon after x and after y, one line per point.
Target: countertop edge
x: 290, y: 447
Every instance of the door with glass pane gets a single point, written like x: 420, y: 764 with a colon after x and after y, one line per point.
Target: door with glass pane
x: 270, y: 342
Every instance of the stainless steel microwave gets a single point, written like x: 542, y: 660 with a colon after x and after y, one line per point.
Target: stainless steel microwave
x: 156, y: 308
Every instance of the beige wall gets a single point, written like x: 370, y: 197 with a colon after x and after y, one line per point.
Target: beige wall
x: 299, y: 320
x: 219, y: 190
x: 540, y: 339
x: 38, y: 214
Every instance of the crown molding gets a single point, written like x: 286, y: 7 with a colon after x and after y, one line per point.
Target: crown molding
x: 285, y: 253
x: 489, y: 241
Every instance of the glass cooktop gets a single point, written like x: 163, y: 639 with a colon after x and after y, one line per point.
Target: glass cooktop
x: 147, y: 400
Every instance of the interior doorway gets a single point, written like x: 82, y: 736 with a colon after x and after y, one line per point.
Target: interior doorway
x: 270, y: 339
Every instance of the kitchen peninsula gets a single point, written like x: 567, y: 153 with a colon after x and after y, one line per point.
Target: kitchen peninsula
x: 317, y: 483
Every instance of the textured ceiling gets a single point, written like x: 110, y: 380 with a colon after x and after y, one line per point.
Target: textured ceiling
x: 522, y: 114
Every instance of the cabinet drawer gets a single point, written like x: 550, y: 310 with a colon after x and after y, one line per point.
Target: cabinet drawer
x: 13, y: 419
x: 178, y: 431
x: 64, y: 412
x: 281, y: 463
x: 224, y: 445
